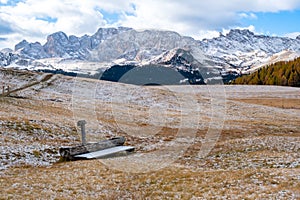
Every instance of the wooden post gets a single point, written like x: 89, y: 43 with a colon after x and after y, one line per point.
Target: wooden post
x: 82, y: 123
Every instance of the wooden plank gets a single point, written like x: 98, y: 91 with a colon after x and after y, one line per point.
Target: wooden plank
x: 105, y: 152
x: 68, y: 153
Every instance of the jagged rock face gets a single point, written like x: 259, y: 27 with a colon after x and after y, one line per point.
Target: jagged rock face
x: 31, y: 50
x: 240, y: 35
x: 3, y: 59
x: 139, y: 46
x: 245, y: 41
x: 104, y: 34
x: 242, y: 48
x: 22, y: 44
x: 177, y: 57
x: 6, y: 58
x: 298, y: 37
x: 60, y: 45
x: 238, y: 50
x: 184, y: 59
x: 109, y: 44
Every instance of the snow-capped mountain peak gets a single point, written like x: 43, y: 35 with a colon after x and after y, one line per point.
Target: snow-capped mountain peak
x: 239, y: 50
x: 244, y: 49
x: 139, y: 46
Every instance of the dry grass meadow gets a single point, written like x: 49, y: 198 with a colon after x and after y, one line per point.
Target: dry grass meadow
x: 255, y: 140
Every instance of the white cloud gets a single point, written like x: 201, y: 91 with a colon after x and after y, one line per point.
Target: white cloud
x: 248, y: 16
x: 207, y: 34
x: 201, y: 18
x: 292, y: 35
x: 73, y: 17
x: 250, y: 28
x: 195, y: 18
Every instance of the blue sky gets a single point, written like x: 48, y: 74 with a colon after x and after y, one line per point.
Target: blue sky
x: 278, y: 23
x: 33, y: 20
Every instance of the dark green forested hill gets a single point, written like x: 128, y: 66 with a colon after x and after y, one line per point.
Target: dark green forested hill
x: 282, y: 73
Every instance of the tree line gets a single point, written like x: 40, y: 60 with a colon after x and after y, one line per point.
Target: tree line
x: 284, y: 73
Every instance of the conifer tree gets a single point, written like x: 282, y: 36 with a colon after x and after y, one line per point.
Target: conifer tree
x: 281, y: 73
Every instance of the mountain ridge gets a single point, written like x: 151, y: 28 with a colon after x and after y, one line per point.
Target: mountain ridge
x: 237, y: 52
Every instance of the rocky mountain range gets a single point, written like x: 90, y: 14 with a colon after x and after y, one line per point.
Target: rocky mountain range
x: 238, y: 52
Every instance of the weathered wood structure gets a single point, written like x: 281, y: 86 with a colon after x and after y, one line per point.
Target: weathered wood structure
x: 69, y: 153
x: 5, y: 90
x: 93, y: 150
x: 82, y: 123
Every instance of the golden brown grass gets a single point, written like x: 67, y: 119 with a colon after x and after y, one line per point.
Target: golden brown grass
x: 285, y: 103
x: 91, y: 179
x: 255, y: 157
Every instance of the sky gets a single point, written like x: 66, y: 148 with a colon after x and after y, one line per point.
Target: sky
x: 33, y: 20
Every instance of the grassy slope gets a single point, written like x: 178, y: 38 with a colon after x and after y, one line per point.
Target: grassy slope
x: 256, y: 156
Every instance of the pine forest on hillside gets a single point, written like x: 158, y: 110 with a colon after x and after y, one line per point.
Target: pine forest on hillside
x: 281, y: 73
